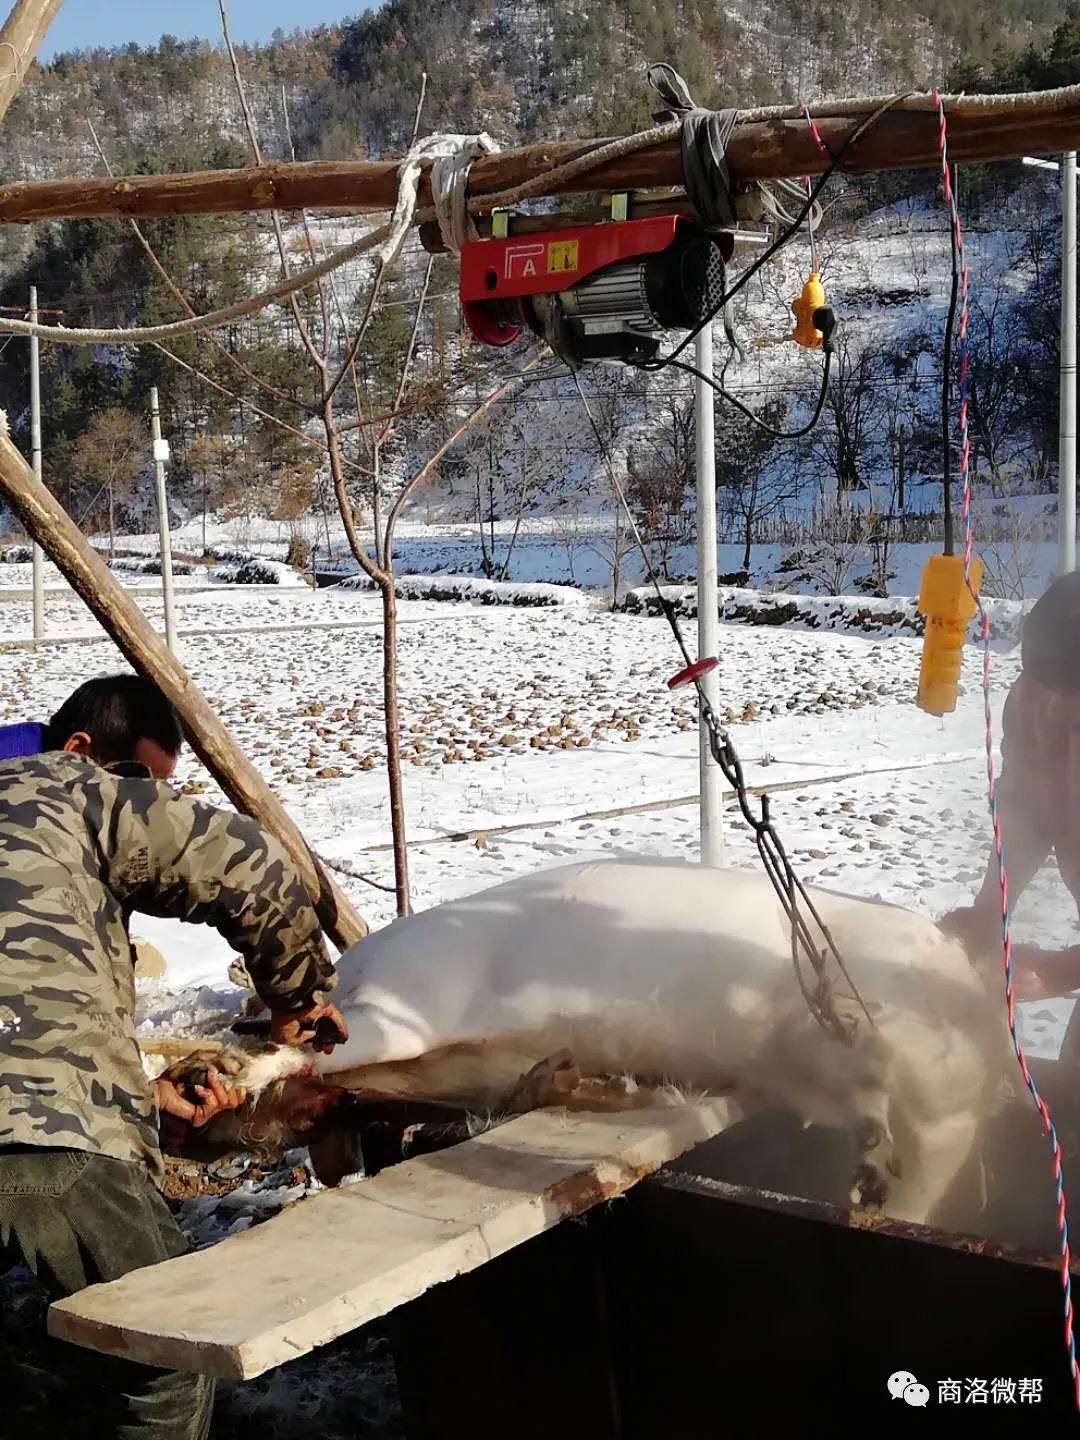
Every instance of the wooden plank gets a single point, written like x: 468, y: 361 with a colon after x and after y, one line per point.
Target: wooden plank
x: 330, y: 1264
x: 765, y: 145
x: 47, y: 522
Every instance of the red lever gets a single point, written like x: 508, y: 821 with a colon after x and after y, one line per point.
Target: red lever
x: 693, y: 672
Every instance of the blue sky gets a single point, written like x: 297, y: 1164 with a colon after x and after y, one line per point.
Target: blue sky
x: 83, y: 24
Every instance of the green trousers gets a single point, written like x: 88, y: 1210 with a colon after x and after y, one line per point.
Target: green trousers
x: 73, y: 1219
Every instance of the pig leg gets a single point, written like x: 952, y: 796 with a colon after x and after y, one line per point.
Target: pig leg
x: 613, y: 1093
x: 549, y: 1082
x: 557, y: 1081
x: 878, y: 1166
x: 934, y: 1153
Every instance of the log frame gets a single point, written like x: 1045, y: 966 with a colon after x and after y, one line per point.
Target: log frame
x: 766, y: 145
x: 20, y: 37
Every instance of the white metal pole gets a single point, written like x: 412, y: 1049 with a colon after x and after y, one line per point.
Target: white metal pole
x: 1067, y: 419
x: 38, y: 565
x: 711, y: 802
x: 163, y: 521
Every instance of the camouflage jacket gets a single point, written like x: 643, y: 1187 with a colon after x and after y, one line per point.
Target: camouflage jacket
x: 80, y: 848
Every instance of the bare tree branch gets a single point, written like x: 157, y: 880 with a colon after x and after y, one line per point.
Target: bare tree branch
x: 448, y: 444
x: 380, y: 274
x: 419, y: 108
x: 275, y: 218
x: 151, y: 254
x: 411, y: 348
x: 310, y: 241
x: 384, y: 552
x: 265, y: 414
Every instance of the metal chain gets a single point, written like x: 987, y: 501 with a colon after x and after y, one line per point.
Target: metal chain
x: 811, y: 941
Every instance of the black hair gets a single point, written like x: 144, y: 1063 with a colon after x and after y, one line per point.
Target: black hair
x: 116, y: 711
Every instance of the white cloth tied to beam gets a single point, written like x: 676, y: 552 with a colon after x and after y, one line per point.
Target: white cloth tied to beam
x: 450, y: 157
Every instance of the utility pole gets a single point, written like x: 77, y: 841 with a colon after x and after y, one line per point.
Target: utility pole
x: 1066, y: 559
x: 161, y: 455
x: 711, y: 799
x: 1067, y: 415
x: 38, y: 568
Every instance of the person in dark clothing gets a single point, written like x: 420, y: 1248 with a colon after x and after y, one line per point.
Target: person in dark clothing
x: 1039, y: 787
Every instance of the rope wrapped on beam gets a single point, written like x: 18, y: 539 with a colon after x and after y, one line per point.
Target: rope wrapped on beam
x: 384, y: 235
x: 765, y: 144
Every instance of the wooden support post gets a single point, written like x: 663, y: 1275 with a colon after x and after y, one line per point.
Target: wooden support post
x: 765, y: 145
x: 22, y: 33
x: 46, y: 521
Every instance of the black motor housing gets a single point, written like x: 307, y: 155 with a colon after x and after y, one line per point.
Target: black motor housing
x: 618, y: 313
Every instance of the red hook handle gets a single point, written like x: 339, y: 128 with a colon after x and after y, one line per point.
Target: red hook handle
x: 693, y: 672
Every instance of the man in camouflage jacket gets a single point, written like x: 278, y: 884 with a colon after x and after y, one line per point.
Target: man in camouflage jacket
x: 80, y: 848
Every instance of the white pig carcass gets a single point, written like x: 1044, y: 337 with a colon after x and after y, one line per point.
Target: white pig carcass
x: 679, y: 974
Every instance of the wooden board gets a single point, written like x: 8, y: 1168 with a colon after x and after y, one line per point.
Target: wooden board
x: 330, y: 1264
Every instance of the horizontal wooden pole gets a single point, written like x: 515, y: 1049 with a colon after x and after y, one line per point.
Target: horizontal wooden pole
x: 46, y: 521
x: 765, y: 145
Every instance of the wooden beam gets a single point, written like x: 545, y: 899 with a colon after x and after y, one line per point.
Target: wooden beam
x: 46, y: 521
x: 764, y: 146
x: 327, y: 1265
x: 22, y: 33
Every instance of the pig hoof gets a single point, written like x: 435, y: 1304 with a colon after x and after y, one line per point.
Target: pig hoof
x: 877, y: 1164
x: 871, y: 1186
x: 549, y: 1082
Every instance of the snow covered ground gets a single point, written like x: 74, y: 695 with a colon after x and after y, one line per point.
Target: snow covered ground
x: 533, y: 737
x: 575, y: 548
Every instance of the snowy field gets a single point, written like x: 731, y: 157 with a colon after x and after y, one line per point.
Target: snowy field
x: 568, y: 546
x: 532, y: 738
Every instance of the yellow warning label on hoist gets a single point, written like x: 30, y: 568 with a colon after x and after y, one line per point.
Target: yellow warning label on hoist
x: 562, y: 256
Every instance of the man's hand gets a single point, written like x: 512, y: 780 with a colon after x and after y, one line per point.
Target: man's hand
x: 971, y: 926
x: 322, y: 1025
x: 1045, y: 974
x: 213, y: 1098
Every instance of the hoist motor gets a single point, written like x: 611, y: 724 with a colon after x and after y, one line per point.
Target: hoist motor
x: 596, y: 292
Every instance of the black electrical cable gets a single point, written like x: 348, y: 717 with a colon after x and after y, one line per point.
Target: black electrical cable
x: 783, y: 239
x: 824, y: 321
x: 758, y: 421
x: 789, y: 889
